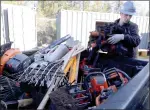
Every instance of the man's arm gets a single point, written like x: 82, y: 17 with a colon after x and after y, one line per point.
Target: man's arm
x: 132, y: 39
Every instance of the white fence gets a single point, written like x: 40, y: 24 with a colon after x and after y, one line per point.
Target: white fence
x: 79, y: 23
x: 18, y: 23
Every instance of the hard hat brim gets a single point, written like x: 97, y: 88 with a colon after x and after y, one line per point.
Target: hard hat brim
x: 126, y: 12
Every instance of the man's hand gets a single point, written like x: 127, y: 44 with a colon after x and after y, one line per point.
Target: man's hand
x: 115, y: 38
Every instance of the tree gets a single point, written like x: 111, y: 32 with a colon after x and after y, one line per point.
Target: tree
x: 115, y: 6
x: 13, y: 2
x: 50, y: 8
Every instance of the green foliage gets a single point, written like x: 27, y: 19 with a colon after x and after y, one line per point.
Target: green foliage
x: 50, y: 8
x: 97, y: 6
x: 13, y: 2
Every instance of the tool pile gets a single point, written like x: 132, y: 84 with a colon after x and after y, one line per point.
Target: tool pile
x: 9, y: 89
x: 62, y: 75
x: 44, y: 69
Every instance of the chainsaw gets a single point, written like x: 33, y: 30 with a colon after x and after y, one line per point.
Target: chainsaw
x: 103, y: 84
x: 98, y: 44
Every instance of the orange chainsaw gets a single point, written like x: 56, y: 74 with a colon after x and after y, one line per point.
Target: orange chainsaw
x: 6, y: 56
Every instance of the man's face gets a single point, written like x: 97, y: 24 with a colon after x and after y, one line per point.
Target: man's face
x: 125, y: 18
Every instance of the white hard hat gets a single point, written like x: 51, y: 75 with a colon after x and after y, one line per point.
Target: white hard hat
x: 128, y: 8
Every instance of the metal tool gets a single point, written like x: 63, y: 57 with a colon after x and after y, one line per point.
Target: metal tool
x: 55, y: 43
x: 42, y: 72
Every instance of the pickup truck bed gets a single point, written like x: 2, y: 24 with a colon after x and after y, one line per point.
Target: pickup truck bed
x: 135, y: 94
x: 132, y: 96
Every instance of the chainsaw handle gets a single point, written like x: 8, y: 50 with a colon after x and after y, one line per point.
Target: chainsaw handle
x: 87, y: 78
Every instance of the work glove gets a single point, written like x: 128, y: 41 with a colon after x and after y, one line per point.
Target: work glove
x: 115, y: 38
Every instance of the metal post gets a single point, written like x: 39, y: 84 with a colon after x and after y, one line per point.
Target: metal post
x: 6, y: 25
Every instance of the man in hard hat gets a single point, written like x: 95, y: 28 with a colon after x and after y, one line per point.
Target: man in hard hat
x: 127, y: 32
